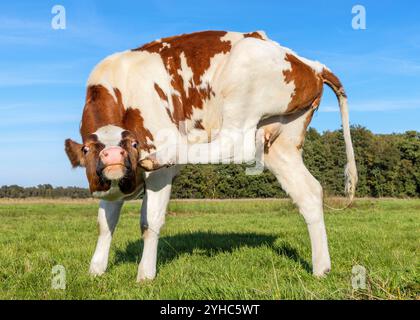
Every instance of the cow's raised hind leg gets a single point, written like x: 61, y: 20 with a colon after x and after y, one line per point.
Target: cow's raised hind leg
x: 285, y: 161
x: 108, y: 215
x: 230, y: 146
x: 155, y: 202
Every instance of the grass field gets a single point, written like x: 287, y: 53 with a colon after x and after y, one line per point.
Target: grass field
x: 212, y: 250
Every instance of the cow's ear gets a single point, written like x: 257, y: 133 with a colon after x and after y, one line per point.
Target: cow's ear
x: 75, y: 153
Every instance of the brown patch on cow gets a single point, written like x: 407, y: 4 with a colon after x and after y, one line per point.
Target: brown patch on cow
x: 199, y: 125
x: 100, y: 110
x: 198, y: 48
x: 161, y: 93
x: 254, y: 34
x: 74, y: 153
x: 132, y: 179
x: 332, y: 81
x: 169, y: 115
x: 163, y: 96
x: 89, y: 160
x: 134, y: 122
x: 96, y: 183
x: 308, y: 85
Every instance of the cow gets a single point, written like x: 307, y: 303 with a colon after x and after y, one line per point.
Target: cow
x: 189, y: 87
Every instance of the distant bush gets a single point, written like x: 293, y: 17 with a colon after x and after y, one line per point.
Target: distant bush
x: 388, y: 166
x: 43, y: 191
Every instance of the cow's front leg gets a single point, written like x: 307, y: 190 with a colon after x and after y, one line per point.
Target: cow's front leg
x: 108, y: 215
x: 155, y: 201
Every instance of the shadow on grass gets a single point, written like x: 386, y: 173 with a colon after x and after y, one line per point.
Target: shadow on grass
x: 209, y: 244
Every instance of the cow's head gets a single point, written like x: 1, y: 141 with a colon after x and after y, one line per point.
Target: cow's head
x: 113, y: 136
x: 110, y: 156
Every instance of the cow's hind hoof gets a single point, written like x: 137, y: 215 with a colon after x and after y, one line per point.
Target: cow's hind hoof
x: 322, y: 273
x: 150, y: 163
x: 147, y: 164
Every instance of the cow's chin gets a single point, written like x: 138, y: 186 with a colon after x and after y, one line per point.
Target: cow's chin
x: 114, y: 172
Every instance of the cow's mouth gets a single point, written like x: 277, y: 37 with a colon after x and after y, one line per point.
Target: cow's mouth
x: 114, y: 171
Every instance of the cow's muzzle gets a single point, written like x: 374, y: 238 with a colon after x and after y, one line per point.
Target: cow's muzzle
x: 113, y: 163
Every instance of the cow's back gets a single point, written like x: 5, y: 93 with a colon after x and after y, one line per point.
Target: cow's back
x: 193, y: 62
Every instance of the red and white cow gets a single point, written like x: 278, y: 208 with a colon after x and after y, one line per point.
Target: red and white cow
x: 214, y: 90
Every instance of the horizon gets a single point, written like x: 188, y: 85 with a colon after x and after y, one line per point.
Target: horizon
x: 44, y: 70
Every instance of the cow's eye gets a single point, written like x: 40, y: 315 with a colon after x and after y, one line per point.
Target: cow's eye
x: 85, y: 149
x: 134, y: 144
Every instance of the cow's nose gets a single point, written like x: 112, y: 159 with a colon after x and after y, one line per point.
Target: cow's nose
x: 112, y: 155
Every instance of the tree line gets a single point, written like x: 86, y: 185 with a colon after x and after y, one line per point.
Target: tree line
x: 388, y: 166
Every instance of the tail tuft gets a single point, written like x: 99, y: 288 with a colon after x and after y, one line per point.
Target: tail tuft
x: 350, y: 173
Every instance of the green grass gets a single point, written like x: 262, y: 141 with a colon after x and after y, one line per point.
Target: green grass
x: 212, y: 250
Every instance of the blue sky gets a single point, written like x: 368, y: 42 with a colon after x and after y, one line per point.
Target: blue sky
x: 43, y: 71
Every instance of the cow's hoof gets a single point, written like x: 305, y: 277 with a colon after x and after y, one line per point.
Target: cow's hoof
x: 96, y: 270
x: 143, y: 276
x: 150, y: 163
x: 143, y: 280
x: 321, y: 272
x: 147, y: 164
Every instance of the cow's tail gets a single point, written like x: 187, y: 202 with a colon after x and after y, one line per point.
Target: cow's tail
x: 350, y: 170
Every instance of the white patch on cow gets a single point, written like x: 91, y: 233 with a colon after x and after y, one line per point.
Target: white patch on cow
x: 186, y: 72
x: 148, y: 70
x: 109, y: 135
x: 232, y: 37
x: 253, y: 76
x: 149, y: 141
x: 108, y: 72
x: 197, y: 136
x: 125, y: 71
x: 317, y: 66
